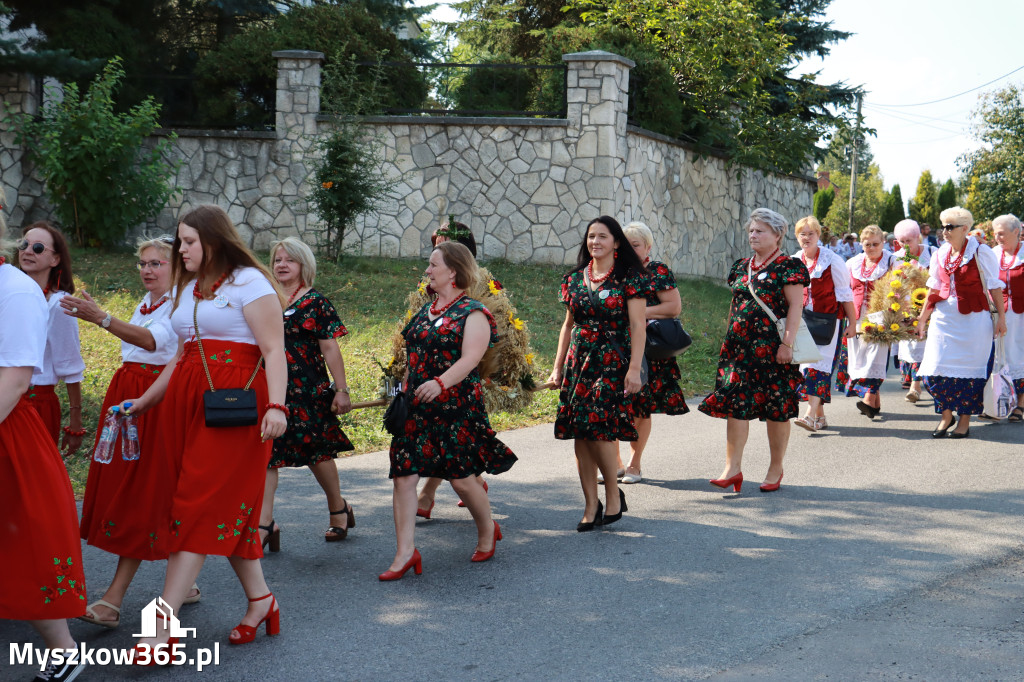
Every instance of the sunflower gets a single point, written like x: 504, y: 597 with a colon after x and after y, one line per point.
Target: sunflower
x: 919, y: 296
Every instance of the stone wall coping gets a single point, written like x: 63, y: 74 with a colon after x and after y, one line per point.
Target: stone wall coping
x: 689, y: 146
x: 297, y: 54
x: 458, y: 120
x: 598, y: 56
x: 212, y: 132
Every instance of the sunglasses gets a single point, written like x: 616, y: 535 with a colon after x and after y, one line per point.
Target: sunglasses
x: 152, y: 264
x: 952, y: 227
x: 37, y: 247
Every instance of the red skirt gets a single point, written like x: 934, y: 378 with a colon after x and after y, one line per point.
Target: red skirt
x: 218, y: 473
x: 41, y: 574
x: 127, y: 504
x: 44, y: 399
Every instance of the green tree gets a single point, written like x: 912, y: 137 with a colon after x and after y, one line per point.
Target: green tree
x: 892, y: 210
x: 823, y: 200
x: 100, y: 175
x: 871, y: 196
x: 947, y: 195
x: 994, y: 172
x: 924, y: 207
x: 15, y: 58
x: 838, y: 155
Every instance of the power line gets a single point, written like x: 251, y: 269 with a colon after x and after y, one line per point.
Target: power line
x: 938, y: 139
x: 936, y: 101
x: 916, y: 123
x: 922, y: 116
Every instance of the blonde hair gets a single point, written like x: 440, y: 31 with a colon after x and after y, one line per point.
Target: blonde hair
x: 300, y: 252
x: 807, y: 221
x: 640, y: 230
x: 459, y: 258
x: 872, y: 231
x: 957, y: 215
x: 164, y: 244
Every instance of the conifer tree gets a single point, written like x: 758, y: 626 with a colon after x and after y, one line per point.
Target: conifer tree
x: 924, y: 207
x: 892, y: 210
x: 947, y: 195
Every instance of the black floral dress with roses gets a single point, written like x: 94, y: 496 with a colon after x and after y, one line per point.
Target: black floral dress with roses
x: 661, y: 393
x: 451, y: 436
x: 750, y: 383
x: 592, y: 404
x: 313, y: 434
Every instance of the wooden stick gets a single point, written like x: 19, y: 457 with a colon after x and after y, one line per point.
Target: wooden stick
x: 370, y: 403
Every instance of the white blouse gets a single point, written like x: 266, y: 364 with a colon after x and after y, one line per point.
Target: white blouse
x: 23, y: 314
x: 840, y: 274
x: 158, y: 323
x: 988, y: 264
x: 856, y: 267
x: 222, y: 318
x: 62, y: 358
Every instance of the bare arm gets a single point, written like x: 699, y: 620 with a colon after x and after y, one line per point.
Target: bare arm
x: 795, y: 299
x: 669, y: 306
x: 14, y: 381
x: 997, y: 300
x: 564, y: 336
x: 336, y: 364
x: 851, y: 315
x: 635, y: 307
x: 155, y: 393
x: 267, y: 324
x: 475, y: 340
x: 88, y: 310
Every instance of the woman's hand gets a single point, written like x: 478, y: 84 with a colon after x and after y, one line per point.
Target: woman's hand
x: 785, y: 355
x: 632, y: 382
x: 427, y: 391
x: 134, y: 406
x: 1000, y: 327
x: 851, y: 330
x: 70, y: 443
x: 342, y: 403
x: 556, y: 377
x: 83, y: 308
x: 274, y: 424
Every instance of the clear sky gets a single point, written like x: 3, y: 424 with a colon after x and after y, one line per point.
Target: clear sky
x: 911, y: 51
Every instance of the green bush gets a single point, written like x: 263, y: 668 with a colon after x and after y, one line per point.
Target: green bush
x: 497, y: 89
x: 100, y: 178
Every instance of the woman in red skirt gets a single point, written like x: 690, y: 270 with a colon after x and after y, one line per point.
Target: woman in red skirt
x: 41, y: 555
x: 127, y: 502
x: 218, y: 472
x: 43, y: 256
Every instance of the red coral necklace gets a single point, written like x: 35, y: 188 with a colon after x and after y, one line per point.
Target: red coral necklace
x: 216, y: 285
x: 810, y: 268
x: 302, y: 284
x: 147, y: 309
x: 754, y: 267
x: 1002, y: 265
x: 950, y: 265
x: 594, y: 279
x: 438, y: 313
x: 864, y: 272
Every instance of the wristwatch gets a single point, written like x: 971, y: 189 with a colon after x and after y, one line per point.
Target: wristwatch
x: 105, y: 322
x: 334, y: 388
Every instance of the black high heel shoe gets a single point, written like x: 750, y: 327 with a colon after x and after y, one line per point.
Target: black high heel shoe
x: 273, y: 536
x: 584, y: 526
x: 608, y: 520
x: 941, y: 433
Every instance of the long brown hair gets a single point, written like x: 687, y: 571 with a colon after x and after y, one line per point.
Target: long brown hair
x: 223, y: 252
x: 60, y: 274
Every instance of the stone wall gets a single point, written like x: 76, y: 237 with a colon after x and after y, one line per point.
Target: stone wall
x: 526, y: 187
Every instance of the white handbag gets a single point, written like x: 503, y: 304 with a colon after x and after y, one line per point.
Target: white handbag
x: 1000, y: 397
x: 805, y: 351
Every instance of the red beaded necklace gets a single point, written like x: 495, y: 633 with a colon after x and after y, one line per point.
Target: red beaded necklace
x: 754, y: 267
x: 590, y: 273
x: 302, y: 284
x: 1002, y: 266
x: 216, y: 285
x: 147, y: 309
x: 951, y: 266
x: 439, y: 312
x: 2, y: 260
x: 810, y: 268
x: 864, y: 272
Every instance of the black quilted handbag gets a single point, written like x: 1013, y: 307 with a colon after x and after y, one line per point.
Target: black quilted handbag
x: 666, y: 339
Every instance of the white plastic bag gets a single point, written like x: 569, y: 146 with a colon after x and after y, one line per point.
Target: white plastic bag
x: 1000, y: 398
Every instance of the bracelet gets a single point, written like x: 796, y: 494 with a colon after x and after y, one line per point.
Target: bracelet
x: 71, y: 432
x: 439, y: 382
x: 74, y: 407
x: 279, y: 406
x: 787, y: 344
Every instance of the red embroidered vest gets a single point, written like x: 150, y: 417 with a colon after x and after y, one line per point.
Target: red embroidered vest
x: 861, y: 291
x: 1013, y: 294
x: 822, y: 294
x: 970, y: 293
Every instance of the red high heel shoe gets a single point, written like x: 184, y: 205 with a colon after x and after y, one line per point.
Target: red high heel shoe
x: 414, y: 562
x: 247, y: 633
x: 772, y: 487
x: 463, y: 504
x: 735, y: 481
x: 484, y: 556
x: 425, y: 513
x: 142, y: 649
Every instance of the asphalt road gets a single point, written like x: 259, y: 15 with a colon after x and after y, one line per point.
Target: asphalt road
x: 886, y: 555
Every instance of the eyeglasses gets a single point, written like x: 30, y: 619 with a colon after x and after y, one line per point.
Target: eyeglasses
x: 165, y: 238
x: 152, y: 264
x: 37, y: 247
x: 952, y: 227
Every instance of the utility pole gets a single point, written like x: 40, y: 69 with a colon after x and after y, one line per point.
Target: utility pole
x: 853, y: 165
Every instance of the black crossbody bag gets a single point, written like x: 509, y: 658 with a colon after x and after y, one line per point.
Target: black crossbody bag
x: 226, y: 406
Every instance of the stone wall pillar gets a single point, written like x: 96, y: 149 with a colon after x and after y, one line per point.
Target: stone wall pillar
x: 598, y: 98
x: 20, y: 93
x: 287, y: 189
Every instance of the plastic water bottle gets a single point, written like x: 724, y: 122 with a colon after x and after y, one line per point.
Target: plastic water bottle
x: 129, y: 435
x: 105, y: 448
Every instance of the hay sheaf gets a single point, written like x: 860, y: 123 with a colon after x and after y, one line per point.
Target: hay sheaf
x: 506, y: 368
x: 892, y: 308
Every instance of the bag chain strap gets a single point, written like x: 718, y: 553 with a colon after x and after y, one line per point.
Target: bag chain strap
x: 202, y: 355
x: 750, y: 288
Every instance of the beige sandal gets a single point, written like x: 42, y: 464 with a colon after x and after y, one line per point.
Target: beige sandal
x: 912, y: 396
x: 807, y: 422
x: 91, y: 617
x: 195, y: 597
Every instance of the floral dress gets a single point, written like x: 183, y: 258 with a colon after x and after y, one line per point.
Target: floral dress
x: 451, y: 436
x: 591, y: 404
x: 313, y: 434
x: 750, y: 383
x: 661, y: 393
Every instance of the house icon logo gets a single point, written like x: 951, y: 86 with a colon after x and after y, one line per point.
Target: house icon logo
x: 159, y: 609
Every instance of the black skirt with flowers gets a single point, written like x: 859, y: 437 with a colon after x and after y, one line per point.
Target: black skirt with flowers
x: 750, y: 383
x: 451, y: 436
x: 662, y: 393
